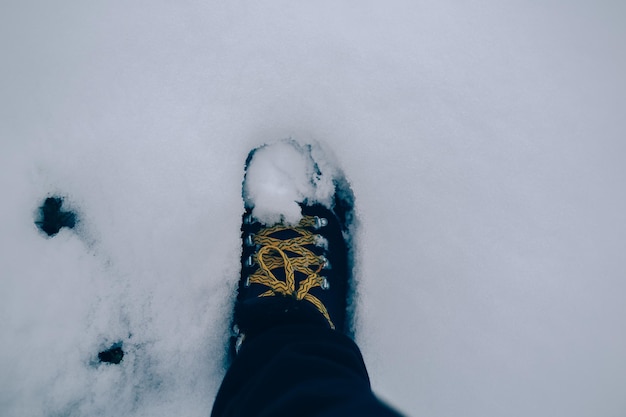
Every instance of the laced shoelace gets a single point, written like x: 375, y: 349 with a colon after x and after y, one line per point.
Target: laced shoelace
x: 273, y: 255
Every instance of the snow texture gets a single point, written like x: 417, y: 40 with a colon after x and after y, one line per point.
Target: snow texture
x: 283, y: 174
x: 484, y: 142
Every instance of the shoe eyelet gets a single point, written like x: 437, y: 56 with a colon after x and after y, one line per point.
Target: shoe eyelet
x: 249, y: 261
x: 247, y: 219
x: 320, y: 222
x: 247, y: 282
x: 325, y: 284
x: 249, y: 240
x: 321, y: 242
x: 324, y: 262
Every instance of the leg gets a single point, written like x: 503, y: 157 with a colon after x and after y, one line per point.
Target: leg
x: 302, y: 370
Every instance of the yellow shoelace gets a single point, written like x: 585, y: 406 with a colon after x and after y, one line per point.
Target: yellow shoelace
x: 272, y: 255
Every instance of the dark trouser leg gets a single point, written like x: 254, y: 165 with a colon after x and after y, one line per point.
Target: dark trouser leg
x: 298, y: 371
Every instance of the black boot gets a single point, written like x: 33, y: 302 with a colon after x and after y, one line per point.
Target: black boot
x: 294, y: 273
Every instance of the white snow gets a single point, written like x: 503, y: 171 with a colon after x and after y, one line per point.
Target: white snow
x: 283, y: 174
x: 484, y: 141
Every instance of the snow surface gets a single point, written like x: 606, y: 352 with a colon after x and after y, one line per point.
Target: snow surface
x: 484, y: 141
x: 282, y: 174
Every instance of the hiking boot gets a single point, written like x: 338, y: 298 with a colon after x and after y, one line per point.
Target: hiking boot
x: 295, y: 269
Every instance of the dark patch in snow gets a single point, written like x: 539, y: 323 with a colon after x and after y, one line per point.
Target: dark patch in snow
x: 51, y: 217
x: 113, y: 355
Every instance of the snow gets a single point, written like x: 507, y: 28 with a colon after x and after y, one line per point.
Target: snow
x: 483, y: 141
x: 282, y: 174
